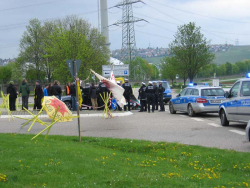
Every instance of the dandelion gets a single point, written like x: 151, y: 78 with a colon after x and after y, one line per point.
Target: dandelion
x: 113, y: 153
x: 19, y: 161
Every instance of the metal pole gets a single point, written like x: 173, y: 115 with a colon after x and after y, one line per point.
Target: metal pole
x: 77, y: 102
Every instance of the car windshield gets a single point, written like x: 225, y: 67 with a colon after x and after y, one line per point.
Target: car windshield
x: 212, y: 92
x: 165, y: 85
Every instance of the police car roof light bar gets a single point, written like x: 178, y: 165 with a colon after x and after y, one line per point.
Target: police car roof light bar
x: 248, y: 75
x: 191, y: 84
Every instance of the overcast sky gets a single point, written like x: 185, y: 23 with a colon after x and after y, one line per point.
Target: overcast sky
x: 221, y: 21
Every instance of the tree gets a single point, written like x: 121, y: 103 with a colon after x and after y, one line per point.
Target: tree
x: 31, y: 45
x: 191, y: 50
x: 140, y: 69
x: 74, y: 38
x: 5, y: 73
x: 168, y: 68
x: 228, y: 68
x: 242, y: 67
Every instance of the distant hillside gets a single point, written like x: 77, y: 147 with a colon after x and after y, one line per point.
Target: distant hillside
x: 234, y: 54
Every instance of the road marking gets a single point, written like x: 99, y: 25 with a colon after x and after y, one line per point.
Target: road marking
x: 197, y: 119
x: 213, y: 124
x: 182, y: 116
x: 238, y: 132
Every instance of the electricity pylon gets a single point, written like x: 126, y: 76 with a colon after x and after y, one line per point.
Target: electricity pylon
x: 129, y: 50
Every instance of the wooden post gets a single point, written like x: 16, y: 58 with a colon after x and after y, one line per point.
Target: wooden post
x: 77, y: 100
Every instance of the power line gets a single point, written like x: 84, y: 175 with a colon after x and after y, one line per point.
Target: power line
x: 157, y: 19
x: 23, y: 24
x: 202, y: 29
x: 165, y: 13
x: 197, y: 13
x: 154, y: 35
x: 14, y: 8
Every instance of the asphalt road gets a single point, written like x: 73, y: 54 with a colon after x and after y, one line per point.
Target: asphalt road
x: 204, y: 130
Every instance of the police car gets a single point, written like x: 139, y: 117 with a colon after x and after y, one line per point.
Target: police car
x: 236, y: 107
x: 197, y: 99
x: 167, y: 95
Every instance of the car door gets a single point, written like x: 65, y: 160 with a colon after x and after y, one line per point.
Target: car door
x: 177, y: 101
x: 231, y: 104
x: 244, y: 102
x: 185, y: 99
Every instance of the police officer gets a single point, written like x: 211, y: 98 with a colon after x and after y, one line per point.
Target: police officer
x: 127, y: 93
x: 156, y: 95
x: 143, y: 97
x: 150, y: 90
x: 86, y: 98
x: 161, y: 90
x: 102, y: 90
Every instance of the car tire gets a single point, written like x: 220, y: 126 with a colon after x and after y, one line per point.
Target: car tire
x: 68, y: 104
x: 191, y: 112
x: 171, y: 108
x: 223, y: 118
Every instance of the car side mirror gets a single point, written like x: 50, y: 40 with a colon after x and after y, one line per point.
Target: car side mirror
x: 178, y: 95
x: 227, y: 95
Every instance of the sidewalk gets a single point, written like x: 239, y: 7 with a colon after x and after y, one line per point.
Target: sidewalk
x: 83, y: 113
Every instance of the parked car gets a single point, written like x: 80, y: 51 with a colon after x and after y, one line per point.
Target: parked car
x: 197, y: 99
x: 236, y: 107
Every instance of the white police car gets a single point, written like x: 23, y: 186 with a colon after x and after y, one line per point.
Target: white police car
x: 236, y: 107
x: 197, y: 99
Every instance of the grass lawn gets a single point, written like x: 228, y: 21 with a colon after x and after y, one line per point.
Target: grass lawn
x: 62, y: 161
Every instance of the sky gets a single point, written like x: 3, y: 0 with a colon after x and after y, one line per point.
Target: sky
x: 221, y: 21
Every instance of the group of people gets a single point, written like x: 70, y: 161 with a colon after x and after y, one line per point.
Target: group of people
x: 151, y: 95
x: 39, y: 93
x: 91, y: 94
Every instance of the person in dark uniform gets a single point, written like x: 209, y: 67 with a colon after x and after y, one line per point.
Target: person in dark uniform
x: 127, y: 93
x: 150, y: 90
x: 12, y: 97
x: 38, y: 96
x: 156, y: 95
x: 86, y: 98
x: 161, y: 90
x: 56, y: 89
x: 143, y: 97
x: 102, y: 90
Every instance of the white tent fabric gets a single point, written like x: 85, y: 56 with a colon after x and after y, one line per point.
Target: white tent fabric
x: 115, y: 89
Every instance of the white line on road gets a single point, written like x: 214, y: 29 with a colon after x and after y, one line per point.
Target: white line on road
x: 197, y: 119
x: 238, y: 132
x: 213, y: 124
x: 182, y: 116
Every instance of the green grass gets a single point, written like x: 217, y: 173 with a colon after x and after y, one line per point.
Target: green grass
x: 154, y: 60
x: 62, y: 161
x: 234, y: 54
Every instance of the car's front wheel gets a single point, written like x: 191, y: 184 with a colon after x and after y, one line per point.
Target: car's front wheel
x: 223, y: 118
x: 191, y: 112
x: 68, y: 104
x: 171, y: 108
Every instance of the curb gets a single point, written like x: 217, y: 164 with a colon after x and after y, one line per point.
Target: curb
x: 81, y: 115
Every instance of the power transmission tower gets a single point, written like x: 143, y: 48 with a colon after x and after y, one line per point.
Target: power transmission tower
x: 129, y: 50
